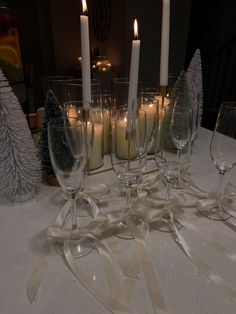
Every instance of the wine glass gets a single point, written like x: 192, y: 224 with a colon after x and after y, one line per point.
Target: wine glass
x: 223, y: 152
x: 180, y: 132
x: 168, y: 165
x: 128, y: 154
x: 68, y: 152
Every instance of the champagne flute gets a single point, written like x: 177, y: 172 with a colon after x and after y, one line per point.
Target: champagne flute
x: 223, y: 152
x: 128, y: 154
x: 68, y: 152
x: 180, y: 128
x: 168, y: 166
x: 75, y: 110
x: 181, y: 121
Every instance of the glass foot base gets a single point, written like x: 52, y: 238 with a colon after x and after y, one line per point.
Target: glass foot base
x: 84, y: 209
x: 122, y: 230
x: 216, y: 213
x: 179, y: 184
x: 165, y: 225
x: 79, y: 247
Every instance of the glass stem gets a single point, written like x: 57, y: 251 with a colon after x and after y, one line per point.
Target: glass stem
x: 168, y: 188
x: 220, y: 182
x: 128, y: 197
x: 179, y: 167
x: 179, y: 154
x: 74, y: 213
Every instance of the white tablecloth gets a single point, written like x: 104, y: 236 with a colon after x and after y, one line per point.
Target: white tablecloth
x: 184, y: 288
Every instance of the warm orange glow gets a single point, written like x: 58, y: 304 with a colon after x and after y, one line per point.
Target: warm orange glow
x: 135, y: 29
x: 84, y: 5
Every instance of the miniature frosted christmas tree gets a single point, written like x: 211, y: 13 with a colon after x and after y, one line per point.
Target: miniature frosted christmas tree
x: 20, y: 171
x: 194, y: 80
x: 180, y: 93
x: 51, y: 110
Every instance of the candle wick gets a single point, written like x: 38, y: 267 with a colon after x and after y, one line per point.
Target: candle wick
x: 85, y: 13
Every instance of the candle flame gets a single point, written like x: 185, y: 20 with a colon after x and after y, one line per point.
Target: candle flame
x: 135, y: 29
x: 84, y: 5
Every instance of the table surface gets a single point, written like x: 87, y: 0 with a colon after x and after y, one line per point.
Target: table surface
x: 185, y: 289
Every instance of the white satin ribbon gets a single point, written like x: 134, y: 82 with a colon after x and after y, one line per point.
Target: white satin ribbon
x: 56, y: 233
x: 92, y: 194
x: 149, y: 210
x: 210, y: 242
x: 217, y: 280
x: 35, y: 279
x: 110, y: 299
x: 144, y: 259
x: 226, y: 201
x: 152, y: 210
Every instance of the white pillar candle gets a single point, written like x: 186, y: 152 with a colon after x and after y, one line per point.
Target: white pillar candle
x: 122, y: 143
x: 165, y: 33
x: 151, y: 115
x: 85, y: 56
x: 106, y: 131
x: 133, y: 77
x: 96, y: 156
x: 72, y: 114
x: 159, y: 98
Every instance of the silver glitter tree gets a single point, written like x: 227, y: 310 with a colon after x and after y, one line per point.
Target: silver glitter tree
x: 19, y: 164
x: 194, y: 80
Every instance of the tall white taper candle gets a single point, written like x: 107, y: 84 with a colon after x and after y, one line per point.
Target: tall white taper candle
x: 133, y: 76
x: 165, y: 34
x: 85, y: 56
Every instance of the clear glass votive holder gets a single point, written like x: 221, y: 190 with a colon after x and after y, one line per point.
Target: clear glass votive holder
x: 149, y: 104
x: 55, y: 83
x: 94, y: 121
x: 95, y: 160
x: 72, y: 89
x: 120, y: 91
x: 107, y: 103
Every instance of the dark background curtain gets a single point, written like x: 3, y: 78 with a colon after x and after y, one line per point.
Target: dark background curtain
x: 213, y: 30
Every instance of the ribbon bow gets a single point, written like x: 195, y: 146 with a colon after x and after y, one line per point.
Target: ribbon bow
x: 57, y: 233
